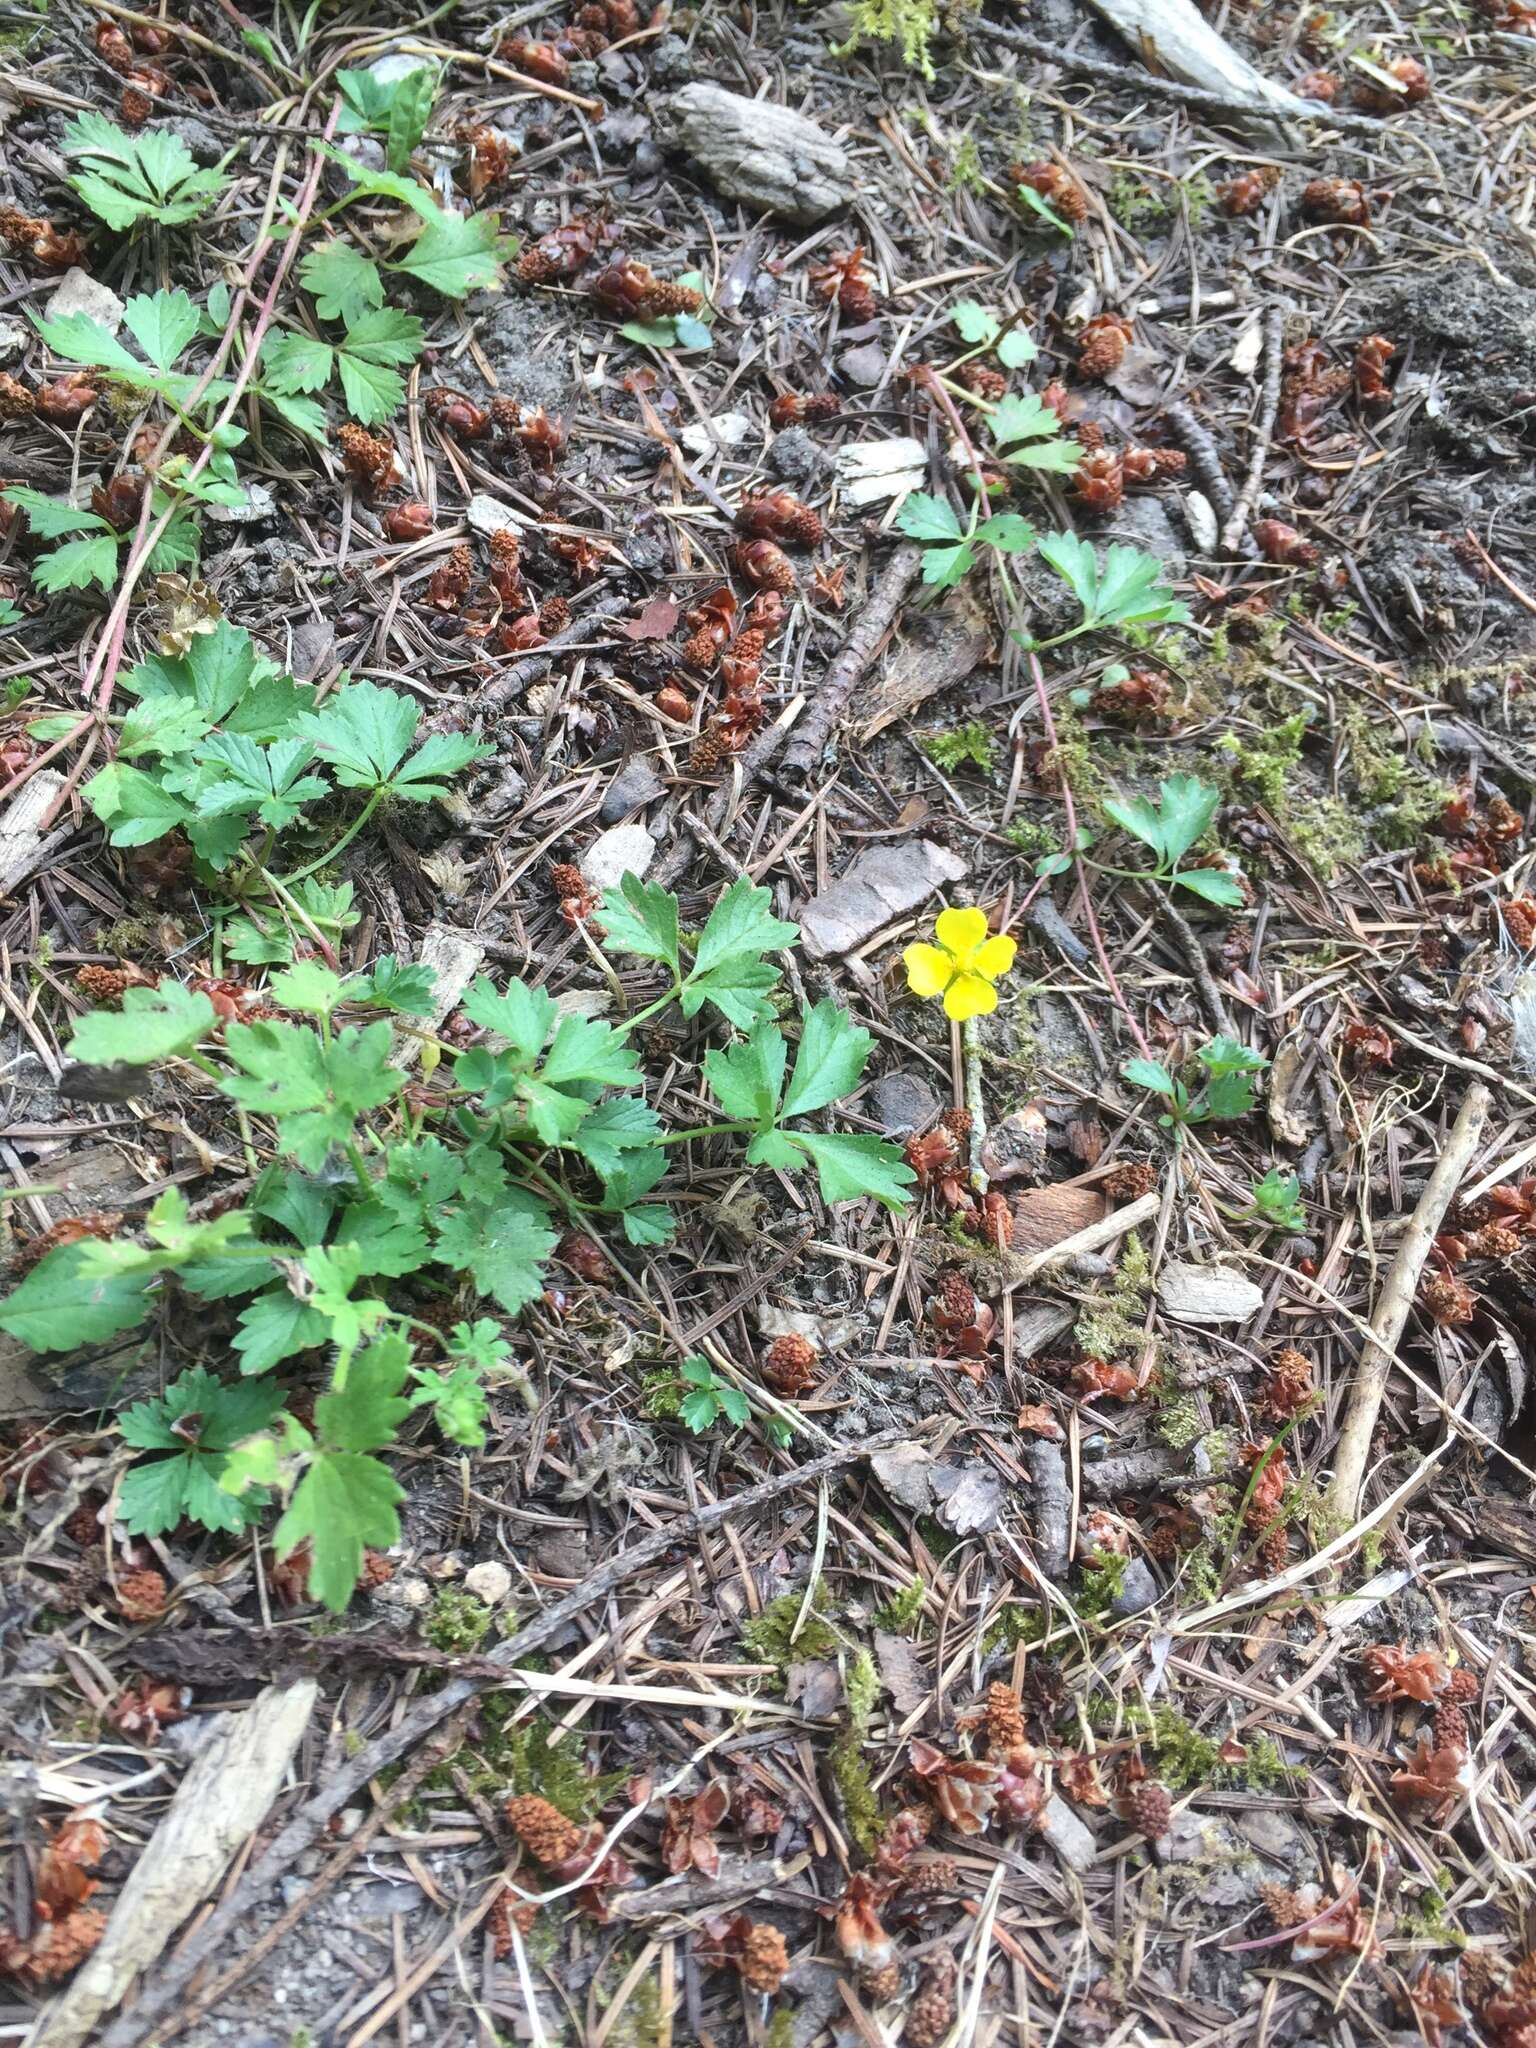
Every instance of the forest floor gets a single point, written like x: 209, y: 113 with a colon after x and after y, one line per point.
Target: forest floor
x: 871, y: 1620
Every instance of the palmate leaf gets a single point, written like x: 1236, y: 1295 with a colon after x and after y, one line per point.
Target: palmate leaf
x: 78, y: 563
x: 851, y: 1164
x: 832, y: 1055
x: 130, y: 178
x: 152, y: 1024
x: 344, y: 283
x: 925, y: 517
x: 455, y: 256
x: 198, y: 1421
x: 728, y: 968
x: 641, y: 919
x: 501, y: 1245
x: 345, y: 1502
x: 62, y: 1304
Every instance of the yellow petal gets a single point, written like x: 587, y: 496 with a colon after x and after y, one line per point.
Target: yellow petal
x: 969, y: 995
x: 928, y: 970
x: 960, y: 932
x: 994, y: 957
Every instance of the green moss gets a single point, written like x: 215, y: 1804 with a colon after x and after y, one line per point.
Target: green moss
x: 1179, y: 1423
x: 1111, y: 1325
x: 1181, y: 1755
x: 1103, y: 1576
x: 910, y: 24
x: 1327, y: 833
x: 966, y: 744
x: 850, y: 1772
x: 1014, y: 1625
x: 458, y: 1622
x: 770, y: 1638
x: 1031, y: 838
x: 661, y: 1395
x: 965, y: 172
x: 781, y: 2029
x: 1266, y: 765
x: 898, y: 1614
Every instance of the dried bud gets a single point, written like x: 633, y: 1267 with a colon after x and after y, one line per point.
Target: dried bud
x: 562, y: 252
x: 792, y: 410
x: 543, y: 1830
x: 113, y: 47
x: 780, y: 516
x: 932, y: 2012
x: 449, y: 583
x: 843, y: 277
x: 1412, y: 87
x: 66, y: 398
x: 764, y: 1958
x: 489, y: 159
x: 1318, y: 85
x: 1100, y: 480
x: 369, y: 459
x: 790, y: 1364
x: 409, y: 522
x: 1283, y: 545
x: 1246, y: 192
x: 764, y: 564
x: 141, y: 1595
x: 457, y: 415
x: 1149, y: 1808
x: 1102, y: 344
x: 1337, y: 202
x: 535, y: 60
x: 1371, y: 359
x: 16, y: 401
x: 1056, y: 186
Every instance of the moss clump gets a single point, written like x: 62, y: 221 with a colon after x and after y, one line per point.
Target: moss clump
x: 1327, y: 834
x: 1266, y: 765
x: 1181, y: 1754
x: 458, y: 1622
x: 1178, y: 1422
x: 898, y: 1614
x: 1015, y: 1625
x: 967, y: 744
x: 850, y: 1773
x: 910, y: 24
x: 770, y: 1638
x: 1103, y: 1576
x: 1112, y: 1324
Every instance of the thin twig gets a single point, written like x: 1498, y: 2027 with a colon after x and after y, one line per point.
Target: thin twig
x: 1274, y: 357
x: 1391, y: 1314
x: 874, y: 622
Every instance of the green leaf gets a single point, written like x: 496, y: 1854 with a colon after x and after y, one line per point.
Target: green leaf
x: 268, y: 782
x: 50, y: 517
x: 1034, y: 202
x: 1216, y: 887
x: 152, y: 1024
x: 849, y: 1164
x: 691, y: 334
x: 651, y: 333
x: 315, y: 1091
x: 410, y: 110
x: 363, y: 730
x: 296, y: 362
x: 700, y: 1410
x: 925, y: 517
x: 199, y: 1421
x: 130, y: 178
x: 640, y: 918
x: 275, y: 1326
x: 309, y: 987
x: 1228, y: 1096
x: 1148, y: 1074
x: 1016, y: 348
x: 164, y: 324
x: 404, y: 986
x: 1188, y: 809
x: 975, y: 323
x: 77, y: 338
x: 1230, y: 1056
x: 727, y: 969
x: 1008, y: 533
x: 522, y: 1015
x: 832, y: 1055
x: 344, y: 1502
x: 458, y: 1403
x: 366, y: 1413
x: 944, y: 566
x: 1125, y: 591
x: 585, y: 1050
x: 78, y: 563
x: 373, y: 390
x: 135, y: 808
x: 455, y: 256
x: 502, y: 1246
x: 64, y: 1302
x: 1023, y: 418
x: 344, y: 282
x: 1051, y: 458
x: 302, y: 414
x: 746, y: 1079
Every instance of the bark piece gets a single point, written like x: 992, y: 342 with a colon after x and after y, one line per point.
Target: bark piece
x: 455, y: 958
x: 756, y: 151
x: 1045, y: 1217
x: 881, y: 884
x: 1207, y: 1294
x: 1171, y: 36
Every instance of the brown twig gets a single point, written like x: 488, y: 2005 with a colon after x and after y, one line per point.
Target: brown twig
x: 1352, y: 1454
x: 874, y: 622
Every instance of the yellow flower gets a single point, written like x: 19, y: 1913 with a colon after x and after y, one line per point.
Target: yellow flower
x: 963, y: 966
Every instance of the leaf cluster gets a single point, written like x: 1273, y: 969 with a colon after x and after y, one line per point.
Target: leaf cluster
x: 1184, y: 812
x: 1225, y: 1094
x: 128, y: 179
x: 396, y: 108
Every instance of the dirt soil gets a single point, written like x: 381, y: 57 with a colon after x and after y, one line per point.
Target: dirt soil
x: 1017, y: 1674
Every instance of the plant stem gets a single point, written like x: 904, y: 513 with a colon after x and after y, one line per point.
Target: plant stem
x: 325, y: 859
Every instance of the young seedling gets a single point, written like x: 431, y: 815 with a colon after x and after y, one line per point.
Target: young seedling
x: 1125, y: 590
x: 1226, y: 1094
x: 1010, y: 343
x: 689, y: 333
x: 1276, y: 1204
x: 397, y: 108
x: 1183, y: 814
x: 129, y: 179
